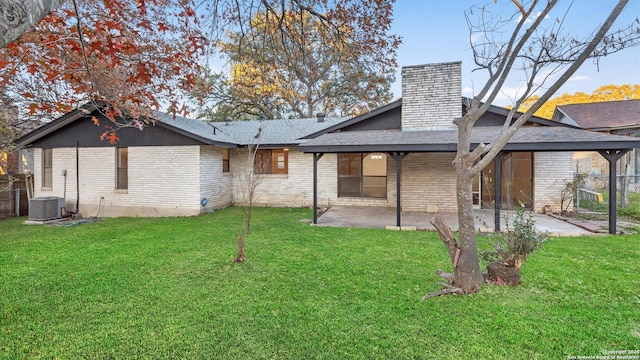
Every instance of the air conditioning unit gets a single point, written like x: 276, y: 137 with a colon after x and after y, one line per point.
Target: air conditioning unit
x: 45, y: 208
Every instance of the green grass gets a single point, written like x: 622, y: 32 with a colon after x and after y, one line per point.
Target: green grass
x: 631, y: 212
x: 167, y: 288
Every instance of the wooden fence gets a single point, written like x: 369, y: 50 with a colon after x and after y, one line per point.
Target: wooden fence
x: 14, y: 200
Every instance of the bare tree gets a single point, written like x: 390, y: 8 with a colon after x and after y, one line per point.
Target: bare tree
x: 249, y: 182
x: 547, y: 56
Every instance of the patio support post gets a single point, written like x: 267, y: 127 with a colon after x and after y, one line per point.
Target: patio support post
x: 398, y: 159
x: 612, y: 157
x: 497, y: 189
x: 316, y: 157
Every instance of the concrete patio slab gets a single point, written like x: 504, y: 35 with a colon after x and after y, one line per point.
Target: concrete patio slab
x: 383, y: 217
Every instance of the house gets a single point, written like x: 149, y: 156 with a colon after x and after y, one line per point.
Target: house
x: 398, y: 155
x: 611, y: 117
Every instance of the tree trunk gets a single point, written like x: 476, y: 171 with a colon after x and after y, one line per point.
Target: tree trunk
x: 248, y: 224
x: 467, y: 274
x: 16, y: 17
x: 240, y: 257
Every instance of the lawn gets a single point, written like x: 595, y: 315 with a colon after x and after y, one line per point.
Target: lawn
x: 167, y: 288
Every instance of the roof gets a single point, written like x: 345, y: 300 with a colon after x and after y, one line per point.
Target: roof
x: 274, y: 132
x: 530, y: 138
x: 602, y: 116
x: 280, y: 132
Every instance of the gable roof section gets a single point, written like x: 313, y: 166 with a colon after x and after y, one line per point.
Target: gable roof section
x: 354, y: 120
x: 601, y: 116
x: 56, y: 124
x: 239, y: 133
x: 398, y: 104
x: 530, y: 138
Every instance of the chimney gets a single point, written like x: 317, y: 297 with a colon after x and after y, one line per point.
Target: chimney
x: 227, y: 121
x: 320, y: 117
x: 431, y: 96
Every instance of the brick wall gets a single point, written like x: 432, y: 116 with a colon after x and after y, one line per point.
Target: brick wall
x: 429, y: 182
x: 551, y: 171
x: 431, y: 96
x: 215, y: 185
x: 292, y: 189
x: 163, y: 181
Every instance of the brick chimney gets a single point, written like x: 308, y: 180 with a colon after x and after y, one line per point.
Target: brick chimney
x: 431, y: 96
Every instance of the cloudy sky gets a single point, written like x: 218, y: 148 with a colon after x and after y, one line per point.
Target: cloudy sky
x: 436, y: 31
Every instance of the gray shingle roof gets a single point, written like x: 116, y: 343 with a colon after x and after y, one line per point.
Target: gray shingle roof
x: 604, y: 115
x: 274, y: 132
x: 534, y: 138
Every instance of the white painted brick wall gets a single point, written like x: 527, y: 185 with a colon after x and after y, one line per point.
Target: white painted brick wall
x: 551, y: 171
x: 215, y: 185
x: 431, y: 96
x: 293, y: 189
x: 170, y: 181
x: 163, y: 180
x: 429, y: 182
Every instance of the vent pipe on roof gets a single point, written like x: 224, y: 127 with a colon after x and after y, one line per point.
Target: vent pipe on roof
x: 227, y: 121
x: 320, y: 117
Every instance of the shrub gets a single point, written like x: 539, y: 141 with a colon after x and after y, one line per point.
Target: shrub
x: 519, y: 241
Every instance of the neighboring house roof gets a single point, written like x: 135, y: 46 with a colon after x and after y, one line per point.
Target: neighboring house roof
x: 530, y: 138
x: 601, y: 116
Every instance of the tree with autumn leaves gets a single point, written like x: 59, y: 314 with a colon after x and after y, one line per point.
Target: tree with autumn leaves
x: 137, y: 56
x: 129, y: 56
x: 601, y: 94
x: 310, y: 70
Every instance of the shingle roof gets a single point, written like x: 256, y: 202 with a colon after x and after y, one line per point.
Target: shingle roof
x: 274, y: 132
x: 604, y: 115
x: 534, y: 138
x: 194, y: 127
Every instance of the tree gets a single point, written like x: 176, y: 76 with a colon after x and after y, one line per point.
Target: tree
x: 601, y: 94
x: 309, y: 69
x: 17, y: 16
x: 538, y: 49
x: 95, y: 51
x: 249, y: 182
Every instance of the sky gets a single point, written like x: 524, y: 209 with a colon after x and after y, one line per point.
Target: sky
x: 436, y: 31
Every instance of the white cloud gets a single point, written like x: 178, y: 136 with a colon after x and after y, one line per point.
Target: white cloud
x: 532, y: 18
x: 579, y: 78
x: 476, y: 37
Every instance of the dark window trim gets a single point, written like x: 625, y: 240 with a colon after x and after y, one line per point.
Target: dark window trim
x: 226, y: 154
x: 266, y: 161
x: 360, y: 178
x: 47, y: 168
x: 122, y: 170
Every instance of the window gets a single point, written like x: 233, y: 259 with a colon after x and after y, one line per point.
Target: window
x: 47, y: 168
x: 225, y: 160
x: 272, y: 161
x: 362, y: 175
x: 122, y: 168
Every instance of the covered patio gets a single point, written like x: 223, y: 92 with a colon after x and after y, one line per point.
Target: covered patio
x: 380, y: 218
x: 398, y: 144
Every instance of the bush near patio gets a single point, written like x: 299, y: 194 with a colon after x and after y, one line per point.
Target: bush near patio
x: 168, y: 288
